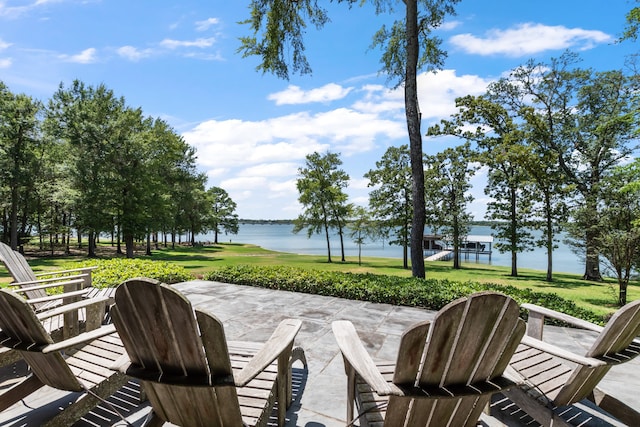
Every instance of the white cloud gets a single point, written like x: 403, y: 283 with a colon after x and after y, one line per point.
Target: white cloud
x: 257, y: 161
x: 17, y: 11
x: 87, y: 56
x: 206, y: 24
x: 199, y: 43
x: 295, y: 95
x: 529, y: 38
x: 5, y: 62
x: 359, y: 183
x: 288, y: 138
x: 436, y: 93
x: 132, y: 53
x: 4, y: 45
x: 450, y: 25
x: 271, y: 169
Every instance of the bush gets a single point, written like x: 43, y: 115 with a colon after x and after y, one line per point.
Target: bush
x: 426, y: 293
x: 112, y: 272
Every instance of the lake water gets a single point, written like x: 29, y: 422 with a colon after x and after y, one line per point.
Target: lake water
x: 280, y: 237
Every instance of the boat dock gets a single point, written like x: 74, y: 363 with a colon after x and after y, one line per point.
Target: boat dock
x: 440, y: 256
x: 439, y: 247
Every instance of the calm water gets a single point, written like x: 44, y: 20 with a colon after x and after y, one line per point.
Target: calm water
x: 280, y: 237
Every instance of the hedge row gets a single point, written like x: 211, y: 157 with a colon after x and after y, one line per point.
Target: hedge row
x: 112, y: 272
x: 430, y: 294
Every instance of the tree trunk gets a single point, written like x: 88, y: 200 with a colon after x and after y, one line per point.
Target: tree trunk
x: 456, y: 244
x: 592, y: 258
x: 405, y: 249
x: 513, y: 238
x: 622, y: 296
x: 549, y: 241
x: 128, y: 244
x: 148, y: 251
x: 415, y: 140
x: 92, y: 244
x: 13, y: 221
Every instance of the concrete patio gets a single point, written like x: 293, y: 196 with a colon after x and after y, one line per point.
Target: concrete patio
x: 320, y: 393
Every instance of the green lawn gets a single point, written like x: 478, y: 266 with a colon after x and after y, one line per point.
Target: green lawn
x: 599, y: 297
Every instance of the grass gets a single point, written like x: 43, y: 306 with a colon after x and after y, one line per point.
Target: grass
x: 599, y: 297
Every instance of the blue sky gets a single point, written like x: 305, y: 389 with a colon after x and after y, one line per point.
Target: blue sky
x: 178, y: 61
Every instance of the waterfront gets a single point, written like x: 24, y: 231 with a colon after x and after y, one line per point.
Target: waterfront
x: 280, y: 237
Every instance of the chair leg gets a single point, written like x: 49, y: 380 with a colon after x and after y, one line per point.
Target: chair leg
x: 153, y: 420
x: 87, y: 401
x: 282, y: 387
x: 540, y: 413
x: 19, y: 391
x: 351, y: 396
x: 615, y: 407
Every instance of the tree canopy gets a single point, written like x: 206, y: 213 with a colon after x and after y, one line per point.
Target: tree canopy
x: 408, y: 45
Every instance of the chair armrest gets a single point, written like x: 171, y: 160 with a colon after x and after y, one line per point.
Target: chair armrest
x: 48, y: 283
x: 538, y: 313
x: 121, y: 363
x: 280, y: 341
x: 80, y: 339
x: 356, y: 355
x: 562, y: 353
x: 85, y: 271
x: 67, y: 308
x: 58, y: 296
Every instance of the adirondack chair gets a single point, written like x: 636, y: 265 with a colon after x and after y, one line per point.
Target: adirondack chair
x: 548, y: 382
x: 191, y: 375
x: 76, y: 284
x: 446, y: 370
x: 86, y: 370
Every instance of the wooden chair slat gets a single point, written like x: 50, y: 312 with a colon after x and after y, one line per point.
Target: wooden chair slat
x: 445, y: 371
x: 547, y: 377
x: 83, y: 371
x: 197, y: 385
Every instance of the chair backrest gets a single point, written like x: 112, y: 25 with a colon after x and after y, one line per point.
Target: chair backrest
x: 466, y: 347
x: 19, y: 269
x: 614, y: 345
x: 22, y: 331
x: 173, y: 352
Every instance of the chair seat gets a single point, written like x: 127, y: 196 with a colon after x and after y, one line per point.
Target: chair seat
x: 92, y: 362
x: 370, y: 405
x: 543, y: 375
x: 191, y: 374
x: 259, y: 394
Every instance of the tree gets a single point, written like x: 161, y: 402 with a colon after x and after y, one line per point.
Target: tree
x: 19, y: 139
x: 619, y: 238
x: 391, y: 200
x: 408, y: 45
x: 587, y: 120
x: 84, y: 118
x: 501, y: 148
x: 321, y: 186
x: 222, y: 214
x: 362, y: 228
x: 448, y: 174
x: 633, y: 24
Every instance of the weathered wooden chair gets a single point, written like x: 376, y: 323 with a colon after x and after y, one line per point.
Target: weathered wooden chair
x: 446, y: 370
x: 188, y: 371
x: 549, y: 382
x: 79, y: 364
x: 76, y: 284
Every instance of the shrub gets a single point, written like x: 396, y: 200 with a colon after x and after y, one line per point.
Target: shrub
x: 431, y: 294
x: 112, y: 272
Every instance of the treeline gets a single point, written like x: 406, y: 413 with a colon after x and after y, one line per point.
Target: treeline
x: 557, y: 143
x: 85, y: 163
